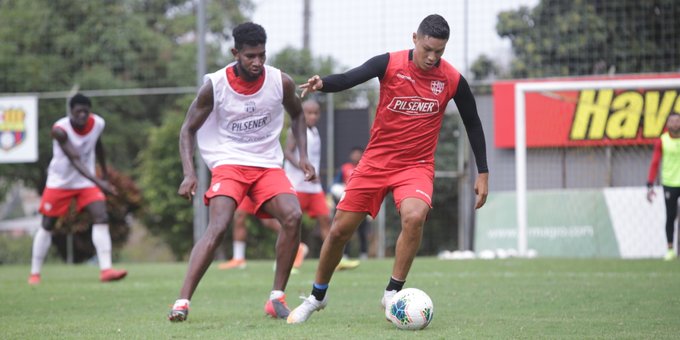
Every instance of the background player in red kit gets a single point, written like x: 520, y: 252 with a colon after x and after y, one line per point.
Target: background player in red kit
x: 415, y: 87
x: 236, y: 120
x: 240, y: 234
x: 71, y: 175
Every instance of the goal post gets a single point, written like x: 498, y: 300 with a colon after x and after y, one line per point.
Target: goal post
x: 669, y: 82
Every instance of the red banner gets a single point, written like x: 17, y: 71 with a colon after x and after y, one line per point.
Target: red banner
x: 595, y: 115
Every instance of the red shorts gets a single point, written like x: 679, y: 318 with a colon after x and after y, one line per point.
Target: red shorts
x: 313, y: 204
x: 238, y: 181
x: 247, y: 206
x: 55, y: 201
x: 367, y: 187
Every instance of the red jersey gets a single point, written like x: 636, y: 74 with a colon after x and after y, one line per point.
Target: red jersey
x: 410, y: 112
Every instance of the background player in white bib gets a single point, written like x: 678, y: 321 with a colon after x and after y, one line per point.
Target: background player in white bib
x: 71, y: 175
x: 310, y: 193
x: 236, y: 120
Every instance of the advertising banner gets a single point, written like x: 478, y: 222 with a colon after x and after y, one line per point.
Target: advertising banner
x: 590, y: 113
x: 18, y: 129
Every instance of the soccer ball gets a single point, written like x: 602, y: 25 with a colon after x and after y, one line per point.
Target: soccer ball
x: 410, y: 308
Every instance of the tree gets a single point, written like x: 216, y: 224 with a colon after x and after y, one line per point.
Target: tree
x: 160, y: 171
x: 559, y: 38
x: 50, y: 45
x: 484, y: 68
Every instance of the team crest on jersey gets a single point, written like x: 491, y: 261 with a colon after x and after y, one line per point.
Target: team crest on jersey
x: 12, y: 128
x: 250, y: 106
x: 437, y: 86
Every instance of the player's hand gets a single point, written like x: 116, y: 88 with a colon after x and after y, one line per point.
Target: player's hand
x: 650, y: 195
x: 107, y: 188
x: 481, y: 189
x: 188, y: 187
x: 313, y: 84
x: 308, y: 169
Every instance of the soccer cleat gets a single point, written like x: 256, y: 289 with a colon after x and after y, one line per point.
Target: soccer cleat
x: 305, y: 310
x: 300, y: 256
x: 108, y: 275
x: 233, y: 264
x: 34, y: 279
x: 386, y: 300
x: 670, y: 255
x: 277, y: 308
x: 346, y: 264
x: 179, y: 312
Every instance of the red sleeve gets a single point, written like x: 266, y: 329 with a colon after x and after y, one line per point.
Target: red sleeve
x: 654, y: 166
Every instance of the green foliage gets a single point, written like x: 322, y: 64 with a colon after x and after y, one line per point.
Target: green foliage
x: 160, y: 172
x: 559, y: 38
x: 483, y: 68
x: 106, y: 45
x: 50, y: 45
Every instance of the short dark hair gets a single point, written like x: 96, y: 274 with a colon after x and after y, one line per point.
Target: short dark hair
x: 435, y: 26
x: 79, y: 99
x: 248, y: 33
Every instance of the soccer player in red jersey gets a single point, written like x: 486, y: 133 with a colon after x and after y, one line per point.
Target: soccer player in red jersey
x: 236, y: 120
x: 415, y: 87
x: 76, y: 143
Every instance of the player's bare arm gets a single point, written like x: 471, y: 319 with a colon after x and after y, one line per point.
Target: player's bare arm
x: 292, y: 104
x: 101, y: 158
x: 289, y: 150
x: 74, y: 157
x: 198, y: 112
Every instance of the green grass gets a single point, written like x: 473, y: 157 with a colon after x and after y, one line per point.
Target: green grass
x: 473, y: 299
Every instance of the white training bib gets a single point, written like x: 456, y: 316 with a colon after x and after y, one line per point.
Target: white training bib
x: 297, y: 176
x: 243, y: 129
x: 61, y: 174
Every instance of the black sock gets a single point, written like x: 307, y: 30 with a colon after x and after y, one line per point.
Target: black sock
x: 319, y: 291
x: 395, y: 284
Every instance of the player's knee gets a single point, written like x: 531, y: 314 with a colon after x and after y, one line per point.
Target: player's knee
x: 341, y: 233
x: 412, y: 220
x: 48, y: 224
x: 292, y: 219
x: 100, y: 219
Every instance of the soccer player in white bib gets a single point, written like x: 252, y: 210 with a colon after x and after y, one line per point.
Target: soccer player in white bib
x: 71, y: 175
x: 310, y: 193
x: 236, y: 120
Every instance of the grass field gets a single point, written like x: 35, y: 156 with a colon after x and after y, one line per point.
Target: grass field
x: 477, y: 299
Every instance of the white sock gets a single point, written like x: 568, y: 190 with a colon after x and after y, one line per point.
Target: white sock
x: 275, y: 294
x: 101, y: 238
x: 41, y: 244
x: 181, y: 302
x: 239, y: 250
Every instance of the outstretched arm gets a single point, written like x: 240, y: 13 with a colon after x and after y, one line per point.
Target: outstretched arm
x: 101, y: 158
x: 289, y: 150
x: 374, y: 67
x: 74, y: 157
x: 467, y: 107
x: 291, y: 102
x: 198, y: 112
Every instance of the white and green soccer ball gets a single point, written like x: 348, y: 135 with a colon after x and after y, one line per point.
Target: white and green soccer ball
x: 410, y: 308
